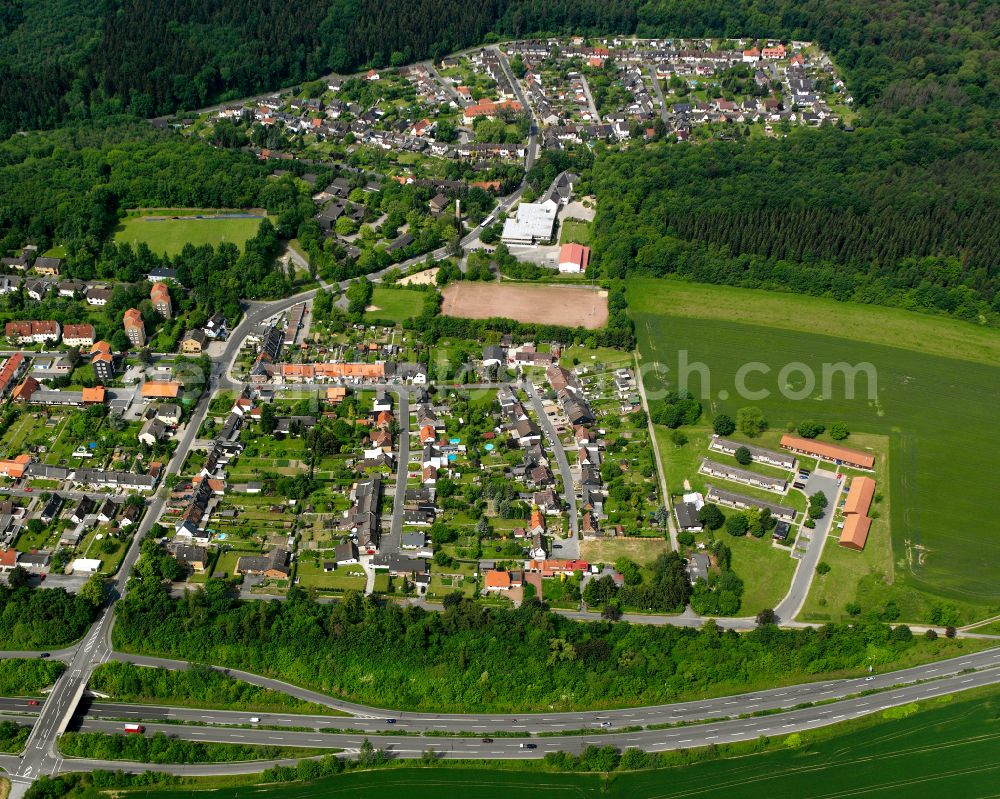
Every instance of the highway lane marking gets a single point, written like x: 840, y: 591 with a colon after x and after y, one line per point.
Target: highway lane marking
x: 685, y: 741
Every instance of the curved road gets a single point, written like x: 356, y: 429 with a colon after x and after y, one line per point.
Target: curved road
x: 476, y: 746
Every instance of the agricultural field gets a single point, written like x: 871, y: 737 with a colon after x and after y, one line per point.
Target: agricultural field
x: 168, y: 230
x: 542, y: 304
x: 942, y: 747
x: 936, y: 411
x: 395, y: 304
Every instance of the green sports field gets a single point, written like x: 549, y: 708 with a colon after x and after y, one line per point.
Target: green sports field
x: 939, y: 412
x: 943, y: 748
x: 167, y: 231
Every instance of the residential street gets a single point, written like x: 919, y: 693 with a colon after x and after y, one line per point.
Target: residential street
x: 567, y: 476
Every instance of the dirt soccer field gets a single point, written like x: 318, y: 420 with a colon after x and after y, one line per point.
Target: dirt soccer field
x: 571, y: 306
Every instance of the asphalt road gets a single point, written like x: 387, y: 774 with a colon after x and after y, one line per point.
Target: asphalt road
x: 569, y: 491
x: 710, y: 732
x: 371, y: 718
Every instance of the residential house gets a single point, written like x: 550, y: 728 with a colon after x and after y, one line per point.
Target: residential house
x: 78, y: 335
x: 33, y: 332
x: 275, y: 564
x: 194, y: 557
x: 193, y: 342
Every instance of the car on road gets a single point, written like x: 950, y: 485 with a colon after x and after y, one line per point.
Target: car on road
x: 869, y: 679
x: 605, y: 725
x: 28, y: 490
x: 487, y: 740
x: 134, y: 729
x: 43, y: 654
x: 529, y: 746
x: 390, y: 721
x: 33, y: 702
x: 255, y: 719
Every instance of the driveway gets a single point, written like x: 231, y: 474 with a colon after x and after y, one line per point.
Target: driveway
x: 809, y: 545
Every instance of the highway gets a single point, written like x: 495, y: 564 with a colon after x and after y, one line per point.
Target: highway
x: 629, y: 731
x: 373, y: 718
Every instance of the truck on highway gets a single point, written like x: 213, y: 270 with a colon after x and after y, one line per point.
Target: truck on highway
x: 135, y: 729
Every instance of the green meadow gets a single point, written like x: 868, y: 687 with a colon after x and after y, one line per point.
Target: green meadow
x: 167, y: 235
x: 940, y: 748
x: 936, y: 398
x: 397, y: 304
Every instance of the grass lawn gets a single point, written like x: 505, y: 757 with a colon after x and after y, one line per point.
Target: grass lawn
x: 945, y: 518
x: 574, y: 230
x: 609, y: 550
x: 945, y: 747
x: 170, y: 235
x: 395, y: 304
x: 345, y: 578
x: 766, y: 572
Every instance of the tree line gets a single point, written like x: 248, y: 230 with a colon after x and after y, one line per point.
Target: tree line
x: 493, y: 659
x: 161, y: 748
x: 198, y: 686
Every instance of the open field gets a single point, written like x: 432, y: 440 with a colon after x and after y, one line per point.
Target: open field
x: 942, y: 748
x: 165, y: 234
x: 570, y: 306
x: 938, y: 413
x: 395, y: 304
x: 608, y: 550
x: 934, y: 335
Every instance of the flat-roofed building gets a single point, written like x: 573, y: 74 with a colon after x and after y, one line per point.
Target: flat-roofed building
x: 531, y: 223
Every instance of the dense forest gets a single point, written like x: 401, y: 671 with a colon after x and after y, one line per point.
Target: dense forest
x: 32, y: 618
x: 858, y: 216
x: 471, y: 656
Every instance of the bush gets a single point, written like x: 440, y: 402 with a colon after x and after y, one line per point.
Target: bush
x: 685, y: 538
x: 822, y: 567
x: 931, y: 635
